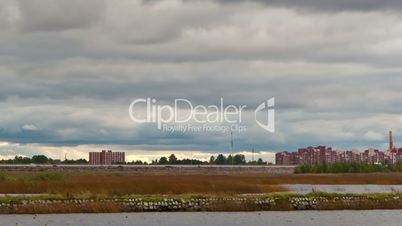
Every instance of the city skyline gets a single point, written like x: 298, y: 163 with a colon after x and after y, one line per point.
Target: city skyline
x: 66, y: 83
x: 204, y: 156
x: 371, y: 155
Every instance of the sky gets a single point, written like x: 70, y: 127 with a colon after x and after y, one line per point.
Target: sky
x: 70, y: 69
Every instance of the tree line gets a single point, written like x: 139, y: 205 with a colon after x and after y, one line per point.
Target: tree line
x: 220, y: 159
x: 349, y: 167
x: 41, y: 159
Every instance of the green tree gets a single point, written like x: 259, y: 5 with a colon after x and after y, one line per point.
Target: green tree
x: 20, y: 160
x: 239, y: 160
x: 229, y: 160
x: 261, y: 162
x: 172, y: 159
x: 74, y: 162
x: 212, y: 160
x: 163, y: 161
x: 39, y: 159
x: 220, y: 160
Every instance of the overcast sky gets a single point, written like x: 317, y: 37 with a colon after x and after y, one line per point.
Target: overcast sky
x: 69, y: 70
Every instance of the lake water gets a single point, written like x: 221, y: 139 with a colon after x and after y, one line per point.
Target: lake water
x: 283, y: 218
x: 341, y: 188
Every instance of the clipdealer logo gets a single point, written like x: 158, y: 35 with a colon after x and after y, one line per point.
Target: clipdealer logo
x: 183, y: 115
x: 269, y: 124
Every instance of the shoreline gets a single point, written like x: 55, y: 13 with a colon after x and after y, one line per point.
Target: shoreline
x: 284, y: 218
x: 168, y: 169
x: 52, y: 204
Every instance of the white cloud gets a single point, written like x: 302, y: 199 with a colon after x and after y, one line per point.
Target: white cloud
x: 4, y: 143
x: 29, y: 127
x: 82, y: 151
x: 375, y: 136
x: 69, y: 69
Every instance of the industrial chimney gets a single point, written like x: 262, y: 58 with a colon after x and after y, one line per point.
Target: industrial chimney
x: 391, y: 145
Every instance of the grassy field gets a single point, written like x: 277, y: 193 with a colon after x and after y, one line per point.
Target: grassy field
x: 128, y: 183
x: 350, y: 178
x: 74, y: 183
x: 89, y: 192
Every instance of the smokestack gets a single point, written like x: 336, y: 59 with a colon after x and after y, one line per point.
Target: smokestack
x: 391, y: 145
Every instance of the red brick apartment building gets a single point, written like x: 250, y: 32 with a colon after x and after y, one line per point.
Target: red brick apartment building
x: 106, y: 157
x: 322, y: 154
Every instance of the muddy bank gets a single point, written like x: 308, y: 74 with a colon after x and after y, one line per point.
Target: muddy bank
x: 274, y: 202
x: 343, y: 188
x: 174, y: 169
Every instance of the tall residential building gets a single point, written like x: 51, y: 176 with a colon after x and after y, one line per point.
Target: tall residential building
x: 106, y: 157
x: 325, y: 155
x: 287, y: 158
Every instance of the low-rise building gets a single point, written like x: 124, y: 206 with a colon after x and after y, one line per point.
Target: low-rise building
x: 106, y: 157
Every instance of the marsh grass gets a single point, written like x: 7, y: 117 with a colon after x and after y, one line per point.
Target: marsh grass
x: 128, y: 183
x: 122, y: 183
x: 48, y: 177
x: 346, y: 178
x: 348, y: 167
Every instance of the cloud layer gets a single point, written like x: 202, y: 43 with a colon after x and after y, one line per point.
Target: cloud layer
x: 69, y: 70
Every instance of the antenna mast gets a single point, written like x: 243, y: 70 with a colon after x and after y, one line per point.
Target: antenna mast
x: 231, y: 144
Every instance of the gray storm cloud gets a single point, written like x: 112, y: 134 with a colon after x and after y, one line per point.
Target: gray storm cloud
x: 71, y: 68
x: 327, y: 5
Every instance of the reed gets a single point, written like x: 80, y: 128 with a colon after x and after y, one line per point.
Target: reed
x: 128, y: 183
x: 75, y: 183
